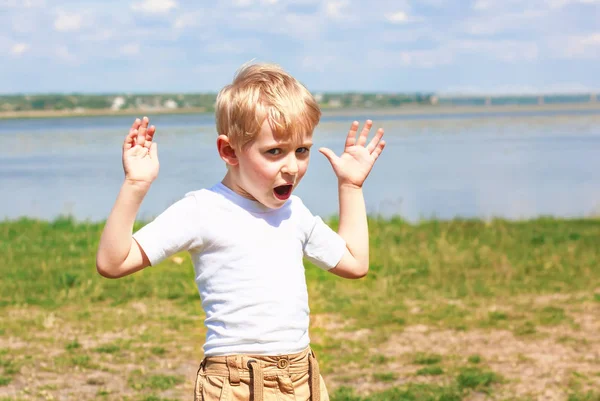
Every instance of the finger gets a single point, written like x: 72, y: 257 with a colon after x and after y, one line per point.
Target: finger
x: 378, y: 149
x: 154, y: 151
x: 130, y: 139
x: 141, y: 138
x: 329, y: 155
x: 364, y: 134
x: 373, y: 144
x: 351, y: 138
x: 136, y: 124
x: 149, y: 135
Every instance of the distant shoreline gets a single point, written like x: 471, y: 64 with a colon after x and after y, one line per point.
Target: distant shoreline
x: 404, y: 110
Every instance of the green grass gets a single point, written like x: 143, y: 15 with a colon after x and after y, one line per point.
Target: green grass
x: 477, y: 379
x: 442, y: 274
x: 73, y: 345
x: 427, y: 359
x: 430, y: 371
x: 474, y: 359
x: 108, y: 349
x: 457, y: 259
x: 588, y: 396
x: 385, y: 377
x: 137, y: 380
x: 158, y: 351
x: 414, y: 392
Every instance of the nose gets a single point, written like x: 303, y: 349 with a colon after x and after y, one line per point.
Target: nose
x: 291, y: 165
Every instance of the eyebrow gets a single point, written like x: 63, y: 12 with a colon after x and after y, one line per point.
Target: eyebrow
x: 287, y: 143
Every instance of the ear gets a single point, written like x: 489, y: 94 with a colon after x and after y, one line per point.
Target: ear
x: 226, y: 151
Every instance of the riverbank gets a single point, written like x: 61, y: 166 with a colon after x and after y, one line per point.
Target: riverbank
x: 451, y: 310
x: 405, y: 110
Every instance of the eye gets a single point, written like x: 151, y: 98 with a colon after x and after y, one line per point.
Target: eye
x: 274, y: 152
x: 302, y: 150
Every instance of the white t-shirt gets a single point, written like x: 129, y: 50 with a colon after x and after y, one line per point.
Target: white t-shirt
x: 248, y: 266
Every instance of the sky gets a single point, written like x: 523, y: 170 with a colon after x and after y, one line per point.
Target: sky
x: 150, y: 46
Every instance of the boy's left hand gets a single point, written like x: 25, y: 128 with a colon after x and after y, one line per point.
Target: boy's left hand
x: 355, y: 164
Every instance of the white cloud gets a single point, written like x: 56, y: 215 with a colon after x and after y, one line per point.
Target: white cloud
x: 483, y: 5
x: 425, y: 58
x: 186, y: 20
x: 63, y: 54
x: 130, y: 49
x: 401, y: 17
x: 564, y: 3
x: 504, y: 50
x: 578, y: 47
x: 248, y: 3
x: 101, y: 35
x: 250, y: 15
x: 448, y: 52
x: 501, y: 22
x: 319, y: 63
x: 428, y: 58
x: 397, y: 17
x: 66, y: 22
x: 243, y: 3
x: 19, y: 48
x: 155, y: 6
x: 22, y: 3
x: 335, y: 8
x: 516, y: 89
x: 224, y: 47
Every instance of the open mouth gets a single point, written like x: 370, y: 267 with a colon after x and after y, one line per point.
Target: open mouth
x: 283, y: 192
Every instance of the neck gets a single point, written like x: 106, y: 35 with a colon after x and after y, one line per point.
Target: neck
x: 231, y: 182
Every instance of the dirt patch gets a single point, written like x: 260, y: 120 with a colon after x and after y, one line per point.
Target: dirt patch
x: 547, y: 365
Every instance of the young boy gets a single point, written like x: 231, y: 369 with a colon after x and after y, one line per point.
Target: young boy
x: 247, y: 235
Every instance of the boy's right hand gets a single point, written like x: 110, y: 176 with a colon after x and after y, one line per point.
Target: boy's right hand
x: 140, y: 154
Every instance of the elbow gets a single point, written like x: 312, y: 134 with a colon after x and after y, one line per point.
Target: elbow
x: 361, y: 272
x: 106, y: 271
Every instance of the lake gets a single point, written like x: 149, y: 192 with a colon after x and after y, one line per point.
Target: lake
x: 514, y: 165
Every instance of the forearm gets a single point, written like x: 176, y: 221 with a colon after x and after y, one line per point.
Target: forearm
x: 353, y: 226
x: 115, y: 242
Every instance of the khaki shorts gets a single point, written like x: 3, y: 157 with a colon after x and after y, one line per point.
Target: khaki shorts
x: 292, y: 377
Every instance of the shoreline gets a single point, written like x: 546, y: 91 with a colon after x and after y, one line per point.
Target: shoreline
x: 405, y: 110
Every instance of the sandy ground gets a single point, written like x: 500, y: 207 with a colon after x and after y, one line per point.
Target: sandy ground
x: 547, y: 365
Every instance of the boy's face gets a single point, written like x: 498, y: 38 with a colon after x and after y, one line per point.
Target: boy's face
x: 270, y: 167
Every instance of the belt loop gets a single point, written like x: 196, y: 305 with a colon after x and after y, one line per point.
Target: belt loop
x: 234, y: 373
x: 315, y: 377
x: 257, y: 379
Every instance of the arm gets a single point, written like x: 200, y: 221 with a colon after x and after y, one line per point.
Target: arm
x: 118, y: 253
x: 352, y: 169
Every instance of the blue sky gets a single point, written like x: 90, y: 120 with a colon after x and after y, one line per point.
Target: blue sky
x: 467, y: 46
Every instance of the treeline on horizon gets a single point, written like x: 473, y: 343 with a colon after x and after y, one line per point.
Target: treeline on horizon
x: 206, y: 101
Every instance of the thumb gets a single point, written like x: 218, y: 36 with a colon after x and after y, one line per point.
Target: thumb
x: 154, y: 150
x: 329, y: 155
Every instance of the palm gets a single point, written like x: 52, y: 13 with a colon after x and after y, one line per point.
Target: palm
x: 355, y: 164
x: 140, y: 157
x: 139, y: 165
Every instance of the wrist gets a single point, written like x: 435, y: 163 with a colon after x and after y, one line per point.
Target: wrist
x: 137, y: 187
x: 342, y: 185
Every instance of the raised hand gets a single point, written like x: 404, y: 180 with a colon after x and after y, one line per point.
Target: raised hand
x: 140, y: 154
x: 355, y: 164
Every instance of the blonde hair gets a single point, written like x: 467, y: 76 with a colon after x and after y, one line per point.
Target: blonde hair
x: 264, y: 91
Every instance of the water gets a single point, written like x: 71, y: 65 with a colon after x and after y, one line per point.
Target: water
x: 509, y: 164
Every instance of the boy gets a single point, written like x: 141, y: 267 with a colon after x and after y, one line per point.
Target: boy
x: 247, y: 235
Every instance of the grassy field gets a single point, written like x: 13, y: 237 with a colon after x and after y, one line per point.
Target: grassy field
x: 451, y: 310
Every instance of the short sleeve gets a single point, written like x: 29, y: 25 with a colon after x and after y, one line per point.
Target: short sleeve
x: 324, y: 247
x: 174, y: 230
